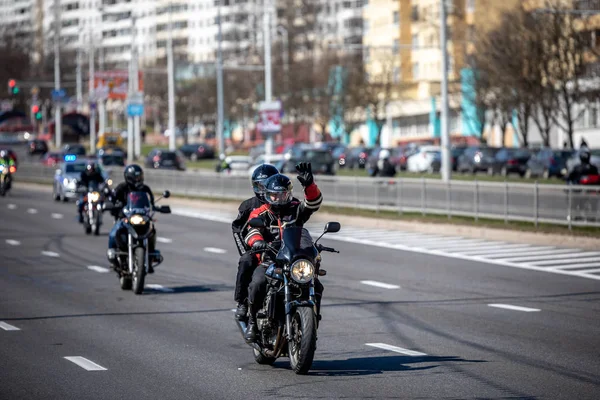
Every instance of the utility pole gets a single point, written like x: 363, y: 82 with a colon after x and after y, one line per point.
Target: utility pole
x: 91, y: 99
x: 446, y: 168
x: 220, y: 111
x: 78, y: 75
x: 286, y: 58
x: 57, y: 110
x: 135, y: 87
x: 101, y: 104
x: 171, y: 83
x: 268, y: 77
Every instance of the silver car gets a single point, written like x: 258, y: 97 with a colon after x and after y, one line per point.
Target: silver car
x: 65, y: 180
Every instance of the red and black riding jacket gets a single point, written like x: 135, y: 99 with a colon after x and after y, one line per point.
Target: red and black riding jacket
x: 296, y: 212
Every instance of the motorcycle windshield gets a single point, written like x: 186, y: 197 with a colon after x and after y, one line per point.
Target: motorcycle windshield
x: 296, y: 242
x: 137, y: 203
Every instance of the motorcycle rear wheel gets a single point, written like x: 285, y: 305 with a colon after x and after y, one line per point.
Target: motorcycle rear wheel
x: 139, y: 271
x: 303, y: 343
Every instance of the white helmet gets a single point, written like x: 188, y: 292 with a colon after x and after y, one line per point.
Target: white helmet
x: 383, y: 154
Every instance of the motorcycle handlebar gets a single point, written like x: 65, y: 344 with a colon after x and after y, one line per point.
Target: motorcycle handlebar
x: 325, y: 248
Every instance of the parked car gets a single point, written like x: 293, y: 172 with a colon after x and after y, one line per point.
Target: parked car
x: 400, y: 156
x: 426, y: 159
x: 165, y: 159
x: 51, y: 159
x: 356, y: 157
x: 197, y: 151
x: 111, y: 160
x: 477, y: 158
x: 75, y: 148
x: 322, y: 161
x: 574, y: 160
x: 510, y: 161
x: 37, y: 146
x: 339, y: 154
x: 547, y: 163
x: 66, y: 177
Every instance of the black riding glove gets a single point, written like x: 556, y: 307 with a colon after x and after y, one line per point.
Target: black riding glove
x: 305, y: 175
x: 259, y: 245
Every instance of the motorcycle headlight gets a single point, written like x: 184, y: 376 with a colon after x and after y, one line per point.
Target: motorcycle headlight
x: 137, y: 220
x: 94, y: 196
x: 302, y: 271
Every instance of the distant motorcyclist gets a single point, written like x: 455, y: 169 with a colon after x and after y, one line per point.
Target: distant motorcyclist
x: 584, y: 168
x: 6, y: 161
x: 383, y: 167
x: 134, y: 182
x: 247, y: 262
x: 280, y: 207
x: 91, y: 174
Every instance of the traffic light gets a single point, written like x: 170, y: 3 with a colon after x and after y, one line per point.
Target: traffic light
x: 38, y: 115
x: 35, y: 109
x: 12, y: 87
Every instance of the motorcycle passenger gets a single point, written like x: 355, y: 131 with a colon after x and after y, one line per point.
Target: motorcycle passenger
x: 584, y: 168
x: 247, y: 263
x: 280, y: 206
x: 383, y: 167
x: 6, y: 161
x: 134, y: 182
x: 91, y: 174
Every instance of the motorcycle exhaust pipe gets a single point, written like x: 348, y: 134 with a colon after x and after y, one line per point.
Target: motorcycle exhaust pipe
x: 242, y: 325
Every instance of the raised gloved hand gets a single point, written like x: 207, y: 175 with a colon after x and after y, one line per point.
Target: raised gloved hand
x: 305, y: 175
x: 259, y: 245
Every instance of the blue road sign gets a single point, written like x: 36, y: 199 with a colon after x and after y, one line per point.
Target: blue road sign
x: 59, y: 94
x: 135, y: 110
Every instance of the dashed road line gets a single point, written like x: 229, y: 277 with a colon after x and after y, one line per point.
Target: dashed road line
x: 570, y: 254
x: 517, y: 254
x: 380, y: 284
x: 99, y: 269
x: 215, y: 250
x: 159, y: 288
x: 514, y: 308
x: 396, y: 349
x: 50, y: 254
x: 8, y: 327
x: 13, y: 242
x: 57, y: 216
x: 164, y: 240
x: 85, y: 363
x: 32, y: 211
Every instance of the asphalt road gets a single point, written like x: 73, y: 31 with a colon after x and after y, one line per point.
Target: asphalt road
x: 178, y: 340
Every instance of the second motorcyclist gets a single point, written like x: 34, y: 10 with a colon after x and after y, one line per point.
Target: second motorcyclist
x: 134, y: 182
x: 91, y: 174
x: 584, y: 168
x: 280, y: 207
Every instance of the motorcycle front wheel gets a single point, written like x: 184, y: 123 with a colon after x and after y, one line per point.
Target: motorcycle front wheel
x: 303, y: 343
x: 139, y: 272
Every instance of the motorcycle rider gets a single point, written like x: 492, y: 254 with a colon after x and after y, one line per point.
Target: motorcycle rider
x: 280, y: 206
x: 383, y: 167
x: 584, y: 168
x: 6, y: 161
x: 91, y: 174
x: 134, y: 182
x: 247, y: 263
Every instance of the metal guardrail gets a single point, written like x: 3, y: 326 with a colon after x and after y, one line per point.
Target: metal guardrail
x: 534, y: 203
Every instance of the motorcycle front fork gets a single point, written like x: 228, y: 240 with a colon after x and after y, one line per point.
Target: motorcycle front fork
x: 130, y: 251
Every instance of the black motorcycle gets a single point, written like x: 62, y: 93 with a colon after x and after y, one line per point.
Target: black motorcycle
x: 133, y: 256
x: 6, y: 178
x: 287, y: 322
x: 93, y: 201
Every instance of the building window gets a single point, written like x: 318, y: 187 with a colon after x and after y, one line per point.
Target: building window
x: 396, y: 47
x: 396, y: 18
x: 415, y: 71
x: 593, y: 115
x: 415, y: 40
x: 396, y: 75
x: 414, y: 15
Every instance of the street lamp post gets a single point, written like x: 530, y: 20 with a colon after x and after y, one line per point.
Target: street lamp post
x: 91, y: 96
x: 171, y: 82
x: 268, y: 75
x: 57, y: 110
x: 446, y: 167
x: 286, y: 58
x: 219, y: 68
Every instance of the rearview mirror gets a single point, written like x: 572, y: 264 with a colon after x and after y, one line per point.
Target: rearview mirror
x: 166, y: 194
x: 332, y: 227
x: 257, y: 223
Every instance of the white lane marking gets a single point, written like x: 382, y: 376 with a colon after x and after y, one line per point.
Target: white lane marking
x: 432, y: 252
x: 85, y: 363
x: 215, y: 250
x: 514, y: 308
x: 573, y: 253
x: 13, y: 242
x: 97, y: 268
x: 470, y: 245
x: 50, y: 254
x: 564, y: 262
x: 582, y: 265
x: 57, y: 216
x: 32, y: 211
x: 485, y: 247
x: 8, y: 327
x: 159, y: 288
x: 11, y: 206
x: 500, y: 251
x: 518, y: 254
x: 588, y: 271
x: 380, y: 284
x: 164, y: 240
x: 395, y: 349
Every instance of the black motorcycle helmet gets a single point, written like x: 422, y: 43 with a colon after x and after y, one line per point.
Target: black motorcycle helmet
x: 259, y: 176
x: 585, y: 155
x: 90, y: 168
x: 278, y: 191
x: 134, y: 176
